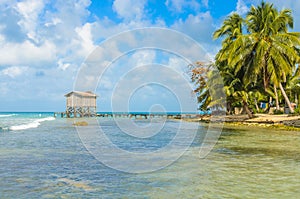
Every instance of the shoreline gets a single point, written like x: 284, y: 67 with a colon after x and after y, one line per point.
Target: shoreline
x: 278, y: 122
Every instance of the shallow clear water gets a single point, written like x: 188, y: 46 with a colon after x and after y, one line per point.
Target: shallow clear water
x: 50, y: 161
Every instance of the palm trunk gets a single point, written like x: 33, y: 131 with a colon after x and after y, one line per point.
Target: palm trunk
x: 256, y: 105
x: 276, y: 98
x: 246, y: 108
x: 287, y: 100
x: 266, y: 77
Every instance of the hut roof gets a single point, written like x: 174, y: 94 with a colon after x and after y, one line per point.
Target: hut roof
x: 83, y: 94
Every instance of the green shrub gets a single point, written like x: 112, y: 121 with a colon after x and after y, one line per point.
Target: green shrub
x: 278, y: 112
x: 297, y: 110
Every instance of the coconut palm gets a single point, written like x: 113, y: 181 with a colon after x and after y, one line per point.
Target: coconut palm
x: 260, y: 59
x: 235, y: 88
x: 275, y: 52
x: 268, y: 51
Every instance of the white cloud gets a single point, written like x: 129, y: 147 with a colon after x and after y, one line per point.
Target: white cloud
x: 50, y: 38
x: 86, y: 39
x: 63, y: 66
x: 14, y: 71
x: 45, y: 35
x: 129, y: 9
x: 54, y: 22
x: 29, y: 10
x: 27, y: 53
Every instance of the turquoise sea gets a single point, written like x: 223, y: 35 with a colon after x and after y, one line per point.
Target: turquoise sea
x: 43, y: 157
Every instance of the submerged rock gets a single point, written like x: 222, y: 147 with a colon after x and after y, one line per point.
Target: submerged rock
x: 81, y: 123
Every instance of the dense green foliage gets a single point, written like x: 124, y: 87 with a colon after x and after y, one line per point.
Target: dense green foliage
x: 258, y: 61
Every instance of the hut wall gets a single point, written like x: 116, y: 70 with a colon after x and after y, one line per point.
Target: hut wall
x: 81, y: 101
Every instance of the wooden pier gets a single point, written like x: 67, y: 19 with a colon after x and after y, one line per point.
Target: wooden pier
x: 136, y: 115
x: 83, y: 104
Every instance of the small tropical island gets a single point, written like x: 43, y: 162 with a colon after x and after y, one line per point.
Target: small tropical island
x: 241, y: 138
x: 257, y: 67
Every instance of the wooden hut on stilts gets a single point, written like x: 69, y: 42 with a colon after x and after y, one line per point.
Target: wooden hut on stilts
x: 81, y: 104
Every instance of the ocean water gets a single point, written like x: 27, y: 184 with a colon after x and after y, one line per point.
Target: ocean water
x: 44, y: 157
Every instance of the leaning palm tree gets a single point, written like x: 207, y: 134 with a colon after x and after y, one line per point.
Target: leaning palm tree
x: 276, y: 52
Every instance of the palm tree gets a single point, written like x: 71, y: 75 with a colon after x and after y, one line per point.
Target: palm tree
x: 264, y: 56
x: 235, y: 89
x: 275, y: 49
x: 268, y: 51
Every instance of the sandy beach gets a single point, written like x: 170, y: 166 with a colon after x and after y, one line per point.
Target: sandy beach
x: 259, y: 119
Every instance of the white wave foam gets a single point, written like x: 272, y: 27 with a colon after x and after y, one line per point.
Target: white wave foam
x: 33, y: 124
x: 8, y: 115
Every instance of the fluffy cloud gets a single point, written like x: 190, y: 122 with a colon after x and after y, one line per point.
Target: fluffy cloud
x: 63, y: 66
x: 39, y: 34
x: 85, y: 39
x: 29, y: 11
x: 14, y: 71
x: 27, y: 53
x: 50, y: 38
x: 129, y: 9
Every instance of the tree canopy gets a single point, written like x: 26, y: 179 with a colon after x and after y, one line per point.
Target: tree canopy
x: 258, y: 60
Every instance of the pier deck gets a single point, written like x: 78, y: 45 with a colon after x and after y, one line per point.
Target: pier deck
x: 137, y: 115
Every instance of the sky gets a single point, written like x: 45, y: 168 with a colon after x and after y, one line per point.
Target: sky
x: 45, y: 43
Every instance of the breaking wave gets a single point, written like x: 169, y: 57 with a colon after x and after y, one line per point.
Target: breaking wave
x: 8, y: 115
x: 30, y: 125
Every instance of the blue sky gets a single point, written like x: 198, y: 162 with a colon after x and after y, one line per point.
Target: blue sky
x: 43, y: 44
